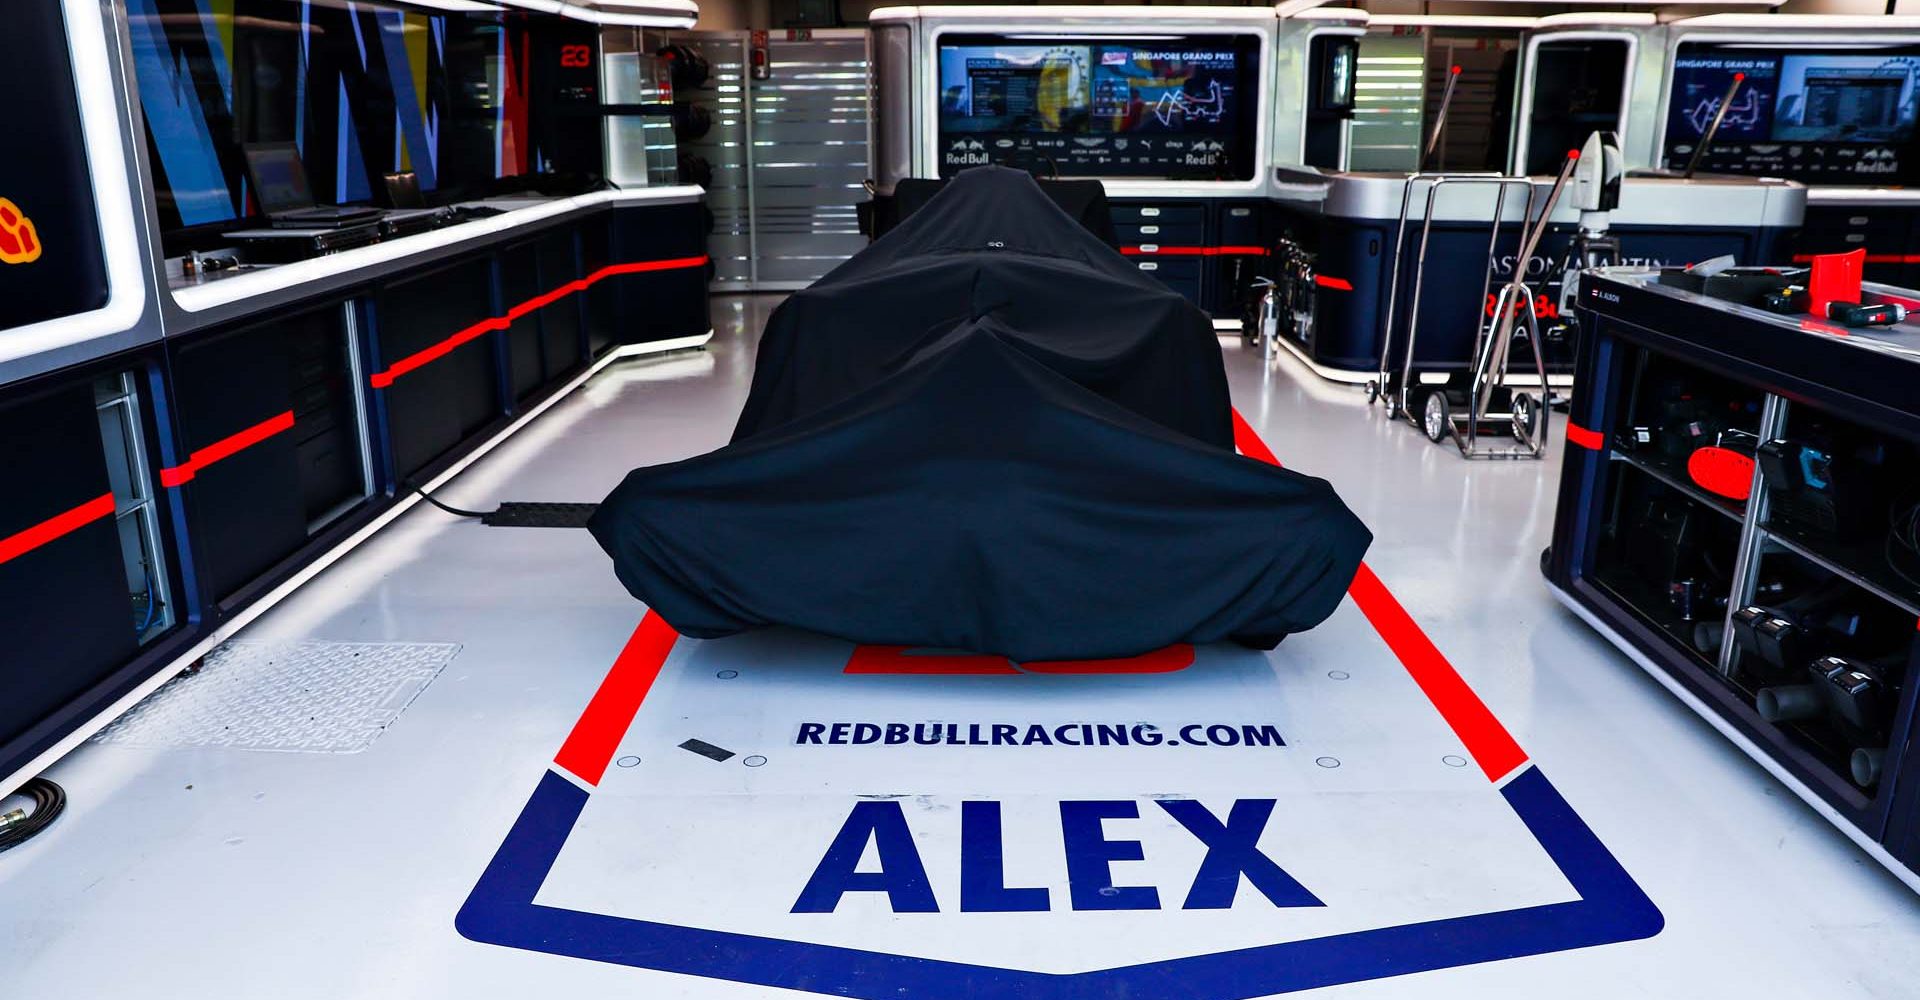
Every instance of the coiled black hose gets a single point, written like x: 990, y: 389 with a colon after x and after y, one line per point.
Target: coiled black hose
x: 49, y: 801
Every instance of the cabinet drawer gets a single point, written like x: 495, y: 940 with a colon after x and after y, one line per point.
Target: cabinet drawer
x: 1171, y: 269
x: 1149, y: 214
x: 1160, y: 233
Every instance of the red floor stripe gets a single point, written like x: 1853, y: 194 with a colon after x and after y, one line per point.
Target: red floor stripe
x: 1248, y: 441
x: 1486, y: 740
x: 225, y: 448
x: 597, y: 735
x: 22, y: 542
x: 436, y: 351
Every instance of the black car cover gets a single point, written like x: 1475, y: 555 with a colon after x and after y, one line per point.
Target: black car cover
x: 977, y: 498
x: 1084, y: 200
x: 991, y: 243
x: 988, y: 431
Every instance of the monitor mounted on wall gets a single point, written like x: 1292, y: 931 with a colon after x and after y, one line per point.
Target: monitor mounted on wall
x: 1161, y: 106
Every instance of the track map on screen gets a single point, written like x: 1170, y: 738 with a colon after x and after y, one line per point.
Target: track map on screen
x: 1160, y: 108
x: 1820, y: 117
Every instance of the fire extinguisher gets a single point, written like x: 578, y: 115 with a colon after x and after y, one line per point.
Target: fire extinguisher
x: 758, y: 64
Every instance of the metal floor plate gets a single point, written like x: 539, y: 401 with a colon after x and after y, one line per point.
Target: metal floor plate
x: 309, y: 696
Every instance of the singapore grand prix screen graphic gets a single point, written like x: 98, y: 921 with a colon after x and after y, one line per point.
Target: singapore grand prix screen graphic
x: 1166, y: 107
x: 1821, y: 117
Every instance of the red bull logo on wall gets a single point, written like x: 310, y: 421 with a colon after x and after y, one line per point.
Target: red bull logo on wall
x: 19, y: 241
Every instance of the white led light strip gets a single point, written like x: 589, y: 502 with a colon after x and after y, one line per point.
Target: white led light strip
x: 100, y: 122
x: 623, y: 13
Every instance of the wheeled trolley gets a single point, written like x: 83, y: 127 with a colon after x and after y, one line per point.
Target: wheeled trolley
x: 1484, y: 393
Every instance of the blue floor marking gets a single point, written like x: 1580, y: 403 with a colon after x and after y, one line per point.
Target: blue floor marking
x: 1611, y: 909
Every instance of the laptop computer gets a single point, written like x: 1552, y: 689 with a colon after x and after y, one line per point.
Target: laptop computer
x: 280, y: 185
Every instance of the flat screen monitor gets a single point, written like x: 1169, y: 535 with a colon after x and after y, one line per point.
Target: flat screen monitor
x: 1179, y: 107
x: 1841, y: 117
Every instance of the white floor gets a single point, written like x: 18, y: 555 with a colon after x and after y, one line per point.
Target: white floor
x: 208, y: 871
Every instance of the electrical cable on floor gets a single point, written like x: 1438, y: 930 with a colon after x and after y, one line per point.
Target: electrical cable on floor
x: 518, y: 514
x: 430, y: 498
x: 19, y: 825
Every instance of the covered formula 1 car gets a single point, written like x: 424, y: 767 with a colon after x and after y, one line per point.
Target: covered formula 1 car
x: 992, y: 244
x: 1007, y: 480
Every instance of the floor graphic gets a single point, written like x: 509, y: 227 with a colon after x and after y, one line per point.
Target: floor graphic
x: 1212, y: 823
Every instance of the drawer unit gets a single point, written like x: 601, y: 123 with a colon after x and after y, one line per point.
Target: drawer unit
x: 1159, y: 214
x: 1885, y: 233
x: 1185, y: 234
x: 1182, y: 274
x: 1240, y: 226
x: 1206, y: 249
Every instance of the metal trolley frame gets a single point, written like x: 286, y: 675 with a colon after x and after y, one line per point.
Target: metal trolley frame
x: 1483, y: 390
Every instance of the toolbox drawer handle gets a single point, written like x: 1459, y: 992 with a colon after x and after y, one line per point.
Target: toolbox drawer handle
x: 1857, y: 220
x: 1239, y: 212
x: 1149, y: 265
x: 1149, y: 230
x: 1149, y: 248
x: 1856, y: 238
x: 1150, y: 213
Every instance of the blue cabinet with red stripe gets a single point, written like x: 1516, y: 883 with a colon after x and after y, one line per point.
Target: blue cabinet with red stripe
x: 158, y: 493
x: 194, y: 407
x: 1207, y: 249
x: 439, y: 358
x: 658, y: 273
x: 66, y: 615
x: 1365, y: 243
x: 233, y: 398
x: 563, y: 347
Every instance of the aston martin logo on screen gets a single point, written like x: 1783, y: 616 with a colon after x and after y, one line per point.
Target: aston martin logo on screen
x: 19, y: 242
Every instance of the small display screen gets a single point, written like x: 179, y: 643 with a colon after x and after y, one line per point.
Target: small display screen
x: 1340, y: 77
x: 279, y: 181
x: 1180, y: 107
x: 1820, y: 117
x: 1844, y: 99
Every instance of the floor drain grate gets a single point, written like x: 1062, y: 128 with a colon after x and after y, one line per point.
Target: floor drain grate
x: 311, y: 696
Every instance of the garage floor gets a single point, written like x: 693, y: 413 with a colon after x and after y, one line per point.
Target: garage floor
x: 460, y: 764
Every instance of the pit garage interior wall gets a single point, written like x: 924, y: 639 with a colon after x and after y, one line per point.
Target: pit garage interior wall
x: 227, y: 459
x: 788, y: 152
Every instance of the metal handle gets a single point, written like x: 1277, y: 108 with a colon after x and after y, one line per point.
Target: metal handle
x: 1706, y: 138
x: 1440, y: 117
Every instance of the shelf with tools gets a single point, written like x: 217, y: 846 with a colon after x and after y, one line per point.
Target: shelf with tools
x: 1739, y: 511
x: 1674, y: 476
